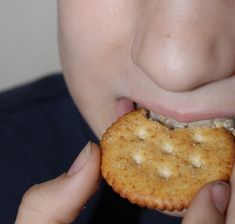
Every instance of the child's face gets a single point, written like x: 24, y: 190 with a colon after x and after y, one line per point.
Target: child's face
x: 175, y: 57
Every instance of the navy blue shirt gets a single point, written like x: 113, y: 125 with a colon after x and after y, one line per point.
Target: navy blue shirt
x: 41, y: 133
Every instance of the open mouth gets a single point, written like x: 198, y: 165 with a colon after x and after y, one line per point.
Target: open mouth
x: 227, y: 123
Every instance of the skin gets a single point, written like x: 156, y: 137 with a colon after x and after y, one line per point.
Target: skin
x: 174, y: 57
x: 164, y: 55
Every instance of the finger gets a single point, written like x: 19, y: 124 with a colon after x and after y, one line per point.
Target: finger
x: 60, y: 200
x: 209, y: 205
x: 175, y: 213
x: 231, y: 207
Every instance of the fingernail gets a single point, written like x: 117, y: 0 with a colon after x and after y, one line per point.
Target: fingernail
x: 220, y: 196
x: 80, y: 160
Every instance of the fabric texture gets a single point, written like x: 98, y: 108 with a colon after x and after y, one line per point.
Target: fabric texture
x: 41, y: 133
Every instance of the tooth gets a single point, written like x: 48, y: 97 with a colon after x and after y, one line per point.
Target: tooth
x: 175, y: 124
x: 170, y: 123
x: 156, y: 117
x: 162, y: 119
x: 215, y: 123
x: 206, y: 123
x: 218, y: 123
x: 229, y: 124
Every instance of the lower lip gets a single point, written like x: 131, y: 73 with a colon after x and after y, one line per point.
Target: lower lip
x: 123, y: 106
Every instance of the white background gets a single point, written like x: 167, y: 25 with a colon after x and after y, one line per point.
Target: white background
x: 28, y: 41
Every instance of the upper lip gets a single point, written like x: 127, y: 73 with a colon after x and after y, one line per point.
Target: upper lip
x: 210, y: 101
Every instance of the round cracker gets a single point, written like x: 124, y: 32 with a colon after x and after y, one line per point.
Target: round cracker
x: 155, y: 167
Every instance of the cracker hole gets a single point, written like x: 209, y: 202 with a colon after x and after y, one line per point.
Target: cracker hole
x: 198, y: 138
x: 138, y: 158
x: 168, y: 148
x: 142, y: 134
x: 196, y: 161
x: 164, y: 172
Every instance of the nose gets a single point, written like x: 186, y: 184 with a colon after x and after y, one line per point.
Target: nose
x: 182, y: 45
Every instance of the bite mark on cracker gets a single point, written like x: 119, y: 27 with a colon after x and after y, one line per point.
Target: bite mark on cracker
x: 155, y: 167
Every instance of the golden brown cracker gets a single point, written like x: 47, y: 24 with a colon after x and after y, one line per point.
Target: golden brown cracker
x: 158, y: 168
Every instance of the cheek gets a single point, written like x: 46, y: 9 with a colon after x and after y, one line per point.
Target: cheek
x: 95, y: 37
x: 91, y: 28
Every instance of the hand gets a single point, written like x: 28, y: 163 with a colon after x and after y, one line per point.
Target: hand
x: 214, y: 204
x: 60, y: 200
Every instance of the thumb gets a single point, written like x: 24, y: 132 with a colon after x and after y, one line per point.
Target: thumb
x: 60, y: 200
x: 209, y: 205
